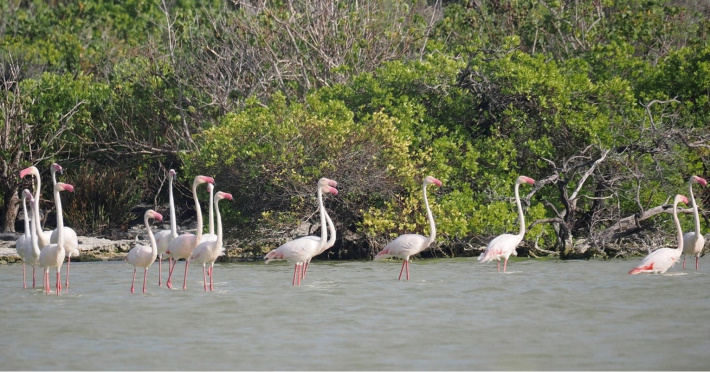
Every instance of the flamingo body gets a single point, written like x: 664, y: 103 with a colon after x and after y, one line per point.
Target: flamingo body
x: 141, y: 255
x: 23, y: 244
x: 208, y: 251
x: 52, y: 255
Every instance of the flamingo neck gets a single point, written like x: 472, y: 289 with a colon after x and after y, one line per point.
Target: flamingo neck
x: 198, y: 210
x: 38, y: 225
x: 331, y: 231
x: 218, y: 246
x: 521, y: 216
x: 695, y: 210
x: 151, y: 237
x: 60, y: 220
x: 173, y: 222
x: 211, y: 214
x: 24, y: 212
x: 33, y: 238
x: 323, y: 233
x: 677, y: 226
x: 430, y: 217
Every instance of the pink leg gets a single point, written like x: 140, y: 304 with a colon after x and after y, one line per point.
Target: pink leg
x: 184, y: 281
x: 295, y: 269
x: 505, y: 265
x: 697, y: 258
x: 204, y: 277
x: 145, y: 277
x: 24, y: 284
x: 34, y: 277
x: 498, y: 266
x: 68, y: 266
x: 59, y: 283
x: 169, y: 283
x: 46, y: 281
x: 211, y: 278
x: 305, y: 268
x: 160, y: 270
x: 683, y: 262
x: 134, y: 281
x: 300, y: 274
x: 404, y: 263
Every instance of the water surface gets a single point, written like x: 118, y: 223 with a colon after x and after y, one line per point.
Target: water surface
x: 453, y: 314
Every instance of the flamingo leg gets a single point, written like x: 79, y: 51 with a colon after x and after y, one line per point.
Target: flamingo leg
x: 24, y: 284
x: 160, y: 270
x: 45, y: 279
x: 59, y: 283
x: 300, y: 274
x: 402, y: 269
x: 134, y: 281
x: 184, y: 281
x: 683, y: 262
x: 407, y: 269
x: 204, y: 277
x: 68, y: 266
x: 697, y: 258
x: 169, y: 282
x: 145, y: 277
x: 34, y: 277
x: 295, y: 268
x: 505, y: 265
x: 211, y: 277
x: 305, y: 268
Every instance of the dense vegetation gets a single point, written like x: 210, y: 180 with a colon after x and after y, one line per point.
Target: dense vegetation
x: 605, y: 103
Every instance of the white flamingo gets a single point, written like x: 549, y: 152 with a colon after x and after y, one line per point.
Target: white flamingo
x: 183, y: 245
x: 43, y: 236
x: 660, y: 260
x: 32, y: 254
x: 299, y: 250
x: 141, y: 255
x: 504, y: 245
x: 407, y: 245
x: 24, y: 243
x: 693, y: 241
x: 52, y: 255
x: 163, y: 237
x: 208, y: 251
x: 210, y: 236
x: 71, y: 241
x: 328, y: 244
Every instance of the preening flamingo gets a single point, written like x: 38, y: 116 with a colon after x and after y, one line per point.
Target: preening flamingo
x: 660, y: 260
x: 24, y: 243
x: 693, y: 241
x: 210, y: 236
x: 183, y: 245
x: 208, y: 251
x: 299, y: 250
x: 43, y: 236
x: 71, y: 241
x: 504, y: 245
x: 32, y: 254
x: 141, y: 255
x: 163, y: 237
x: 52, y: 255
x: 407, y: 245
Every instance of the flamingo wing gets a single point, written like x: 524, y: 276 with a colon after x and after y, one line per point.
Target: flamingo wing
x: 501, y: 246
x: 140, y: 256
x: 404, y: 246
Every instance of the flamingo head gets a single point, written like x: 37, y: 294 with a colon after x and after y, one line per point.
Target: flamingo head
x: 223, y: 195
x: 429, y: 180
x: 203, y: 179
x: 524, y: 179
x: 699, y: 180
x: 56, y: 168
x: 680, y: 198
x: 210, y: 187
x: 327, y: 185
x: 153, y: 214
x: 172, y: 174
x: 61, y: 186
x: 30, y: 170
x: 27, y: 195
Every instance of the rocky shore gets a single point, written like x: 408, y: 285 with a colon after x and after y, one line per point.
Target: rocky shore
x: 92, y: 248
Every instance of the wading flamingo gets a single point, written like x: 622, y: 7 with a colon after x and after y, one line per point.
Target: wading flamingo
x: 208, y: 251
x: 660, y: 260
x: 163, y: 237
x: 183, y: 245
x: 504, y: 245
x: 407, y: 245
x: 43, y: 236
x: 693, y: 241
x: 141, y: 255
x: 328, y: 244
x: 32, y: 254
x: 71, y: 241
x: 210, y: 236
x: 52, y: 255
x: 24, y: 243
x: 299, y: 250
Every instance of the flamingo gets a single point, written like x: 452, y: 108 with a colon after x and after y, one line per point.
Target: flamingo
x: 209, y: 250
x: 71, y: 241
x: 42, y: 236
x: 163, y: 237
x: 210, y: 236
x: 299, y: 250
x: 24, y: 242
x: 183, y: 245
x: 693, y: 241
x: 410, y: 244
x: 504, y: 245
x: 32, y: 254
x: 52, y: 255
x: 660, y: 260
x: 141, y: 255
x: 328, y: 244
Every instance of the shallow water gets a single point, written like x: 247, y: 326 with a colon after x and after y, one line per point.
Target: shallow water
x: 453, y: 314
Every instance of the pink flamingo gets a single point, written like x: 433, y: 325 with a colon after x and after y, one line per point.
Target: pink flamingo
x: 141, y: 255
x: 299, y: 250
x: 183, y: 245
x: 504, y: 245
x: 43, y: 236
x: 660, y: 260
x: 52, y: 255
x: 693, y: 241
x: 163, y: 237
x: 71, y: 241
x: 410, y: 244
x: 24, y: 243
x: 32, y: 254
x: 328, y: 244
x: 209, y: 250
x: 210, y: 236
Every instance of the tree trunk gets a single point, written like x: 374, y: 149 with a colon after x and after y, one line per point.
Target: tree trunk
x: 12, y: 207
